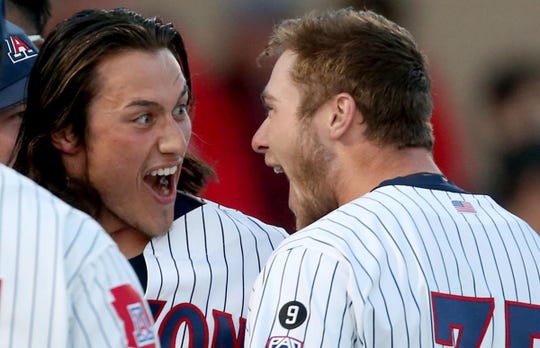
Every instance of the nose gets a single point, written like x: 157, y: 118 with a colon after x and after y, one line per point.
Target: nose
x: 259, y: 141
x: 175, y: 136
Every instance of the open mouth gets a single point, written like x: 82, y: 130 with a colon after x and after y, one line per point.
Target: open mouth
x: 162, y: 180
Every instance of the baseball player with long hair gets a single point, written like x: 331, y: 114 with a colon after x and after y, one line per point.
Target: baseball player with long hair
x: 107, y: 128
x: 390, y: 253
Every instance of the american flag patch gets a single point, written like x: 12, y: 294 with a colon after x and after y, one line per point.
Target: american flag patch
x: 463, y: 207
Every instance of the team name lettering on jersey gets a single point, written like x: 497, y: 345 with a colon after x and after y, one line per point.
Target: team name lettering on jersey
x: 187, y: 314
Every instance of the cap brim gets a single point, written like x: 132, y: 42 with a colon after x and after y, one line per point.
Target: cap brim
x: 13, y: 94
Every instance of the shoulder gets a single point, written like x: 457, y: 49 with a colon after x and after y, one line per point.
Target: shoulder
x: 24, y: 194
x: 248, y: 221
x: 35, y: 208
x: 341, y: 233
x: 215, y: 213
x: 85, y: 242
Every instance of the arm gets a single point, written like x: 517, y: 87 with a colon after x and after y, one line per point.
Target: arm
x: 300, y: 298
x: 107, y: 306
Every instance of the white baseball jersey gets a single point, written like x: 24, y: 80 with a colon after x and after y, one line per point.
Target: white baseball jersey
x: 63, y: 281
x: 199, y: 275
x: 415, y: 263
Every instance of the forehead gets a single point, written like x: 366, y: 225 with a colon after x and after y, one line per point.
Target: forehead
x: 131, y: 75
x: 141, y: 67
x: 280, y: 85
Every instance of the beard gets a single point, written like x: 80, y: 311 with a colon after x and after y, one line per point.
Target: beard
x: 313, y: 188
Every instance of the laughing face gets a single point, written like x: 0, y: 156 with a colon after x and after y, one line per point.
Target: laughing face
x: 138, y: 131
x: 292, y: 146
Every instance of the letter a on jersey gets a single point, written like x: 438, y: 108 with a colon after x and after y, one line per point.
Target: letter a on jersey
x: 131, y: 310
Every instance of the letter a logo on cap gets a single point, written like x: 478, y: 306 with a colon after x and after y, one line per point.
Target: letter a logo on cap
x: 19, y: 50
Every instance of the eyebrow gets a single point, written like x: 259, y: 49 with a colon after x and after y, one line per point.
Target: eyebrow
x: 185, y: 92
x: 151, y: 103
x: 265, y: 96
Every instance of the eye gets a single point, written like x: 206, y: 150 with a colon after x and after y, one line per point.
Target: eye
x: 267, y: 109
x: 18, y: 115
x: 180, y: 111
x: 143, y: 119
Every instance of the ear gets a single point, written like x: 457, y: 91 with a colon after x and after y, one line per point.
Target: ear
x: 343, y: 114
x: 65, y: 141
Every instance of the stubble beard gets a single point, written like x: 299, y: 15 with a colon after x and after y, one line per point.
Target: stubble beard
x: 317, y: 196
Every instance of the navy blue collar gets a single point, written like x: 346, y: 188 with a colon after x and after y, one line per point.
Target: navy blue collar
x: 185, y: 203
x: 424, y: 180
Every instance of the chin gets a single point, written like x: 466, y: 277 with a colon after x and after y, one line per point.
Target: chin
x: 161, y: 225
x: 162, y: 230
x: 155, y: 230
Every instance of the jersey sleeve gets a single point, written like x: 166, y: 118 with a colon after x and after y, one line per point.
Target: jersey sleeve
x: 107, y: 306
x: 301, y: 298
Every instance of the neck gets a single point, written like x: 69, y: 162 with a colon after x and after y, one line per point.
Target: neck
x: 130, y: 241
x: 364, y: 172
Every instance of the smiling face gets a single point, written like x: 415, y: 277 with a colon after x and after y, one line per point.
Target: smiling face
x: 293, y: 146
x: 138, y: 131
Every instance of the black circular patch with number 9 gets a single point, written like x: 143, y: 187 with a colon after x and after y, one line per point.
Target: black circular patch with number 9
x: 292, y: 315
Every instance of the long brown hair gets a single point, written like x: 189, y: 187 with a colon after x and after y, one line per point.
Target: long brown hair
x: 64, y: 82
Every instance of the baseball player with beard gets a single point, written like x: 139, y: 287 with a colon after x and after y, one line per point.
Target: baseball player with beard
x: 118, y: 130
x: 390, y: 253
